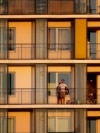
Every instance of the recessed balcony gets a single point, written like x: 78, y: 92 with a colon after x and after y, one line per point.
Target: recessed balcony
x: 36, y: 51
x: 30, y: 96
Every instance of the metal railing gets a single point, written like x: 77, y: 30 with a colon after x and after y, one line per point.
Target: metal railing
x: 53, y: 51
x: 36, y: 51
x: 46, y: 96
x: 18, y: 7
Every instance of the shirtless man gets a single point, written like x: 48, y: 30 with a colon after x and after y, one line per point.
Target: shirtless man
x: 63, y: 88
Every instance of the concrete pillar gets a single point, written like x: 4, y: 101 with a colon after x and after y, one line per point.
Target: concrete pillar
x: 41, y: 39
x: 80, y: 83
x: 80, y: 120
x: 3, y: 121
x: 41, y: 83
x: 3, y: 84
x: 3, y: 39
x: 41, y: 121
x: 80, y: 97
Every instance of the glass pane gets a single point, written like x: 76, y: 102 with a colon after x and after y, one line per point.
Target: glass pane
x: 66, y: 77
x: 91, y: 126
x: 93, y: 44
x: 11, y: 83
x: 11, y: 39
x: 52, y: 38
x: 10, y: 125
x: 93, y: 6
x: 41, y: 6
x: 64, y: 39
x: 52, y: 83
x: 51, y: 124
x: 51, y: 77
x: 63, y: 124
x: 60, y: 121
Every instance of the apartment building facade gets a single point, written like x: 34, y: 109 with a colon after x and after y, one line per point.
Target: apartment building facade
x: 41, y: 42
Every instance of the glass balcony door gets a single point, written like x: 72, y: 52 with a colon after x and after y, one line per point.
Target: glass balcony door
x: 60, y: 121
x: 92, y: 46
x: 59, y: 38
x: 53, y: 80
x: 59, y: 124
x: 91, y: 126
x: 59, y: 43
x: 92, y: 6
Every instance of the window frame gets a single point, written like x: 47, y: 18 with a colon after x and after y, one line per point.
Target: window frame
x: 11, y: 120
x: 11, y: 38
x: 11, y: 86
x: 56, y: 46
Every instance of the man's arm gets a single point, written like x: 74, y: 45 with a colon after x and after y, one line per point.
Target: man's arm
x: 67, y: 90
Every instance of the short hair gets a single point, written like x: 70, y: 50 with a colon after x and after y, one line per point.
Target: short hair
x: 62, y: 80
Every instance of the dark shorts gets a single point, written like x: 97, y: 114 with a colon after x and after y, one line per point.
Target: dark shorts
x: 62, y: 94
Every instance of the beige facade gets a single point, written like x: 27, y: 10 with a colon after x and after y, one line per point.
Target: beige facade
x: 41, y: 43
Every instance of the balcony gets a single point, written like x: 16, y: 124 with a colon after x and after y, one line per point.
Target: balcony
x: 29, y: 7
x: 28, y: 96
x: 38, y: 51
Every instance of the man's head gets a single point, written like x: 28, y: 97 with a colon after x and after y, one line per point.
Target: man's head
x: 62, y: 80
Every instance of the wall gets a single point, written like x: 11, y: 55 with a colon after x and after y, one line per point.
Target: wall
x: 23, y: 39
x: 23, y: 83
x: 22, y: 121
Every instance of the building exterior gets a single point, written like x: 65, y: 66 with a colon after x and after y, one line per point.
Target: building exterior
x: 41, y: 42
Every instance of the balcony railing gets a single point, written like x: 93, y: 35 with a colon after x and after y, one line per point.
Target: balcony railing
x: 36, y: 51
x: 54, y: 51
x: 19, y: 7
x: 47, y: 96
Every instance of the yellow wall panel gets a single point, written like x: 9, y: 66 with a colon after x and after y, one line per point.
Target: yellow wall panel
x: 23, y: 31
x: 93, y: 69
x: 22, y: 121
x: 93, y: 113
x: 23, y: 76
x: 59, y: 24
x: 93, y: 24
x: 59, y: 69
x: 80, y: 38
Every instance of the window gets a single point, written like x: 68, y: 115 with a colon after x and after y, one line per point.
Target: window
x: 54, y: 78
x: 92, y: 44
x: 51, y: 77
x: 11, y: 124
x: 11, y: 39
x: 91, y: 125
x: 11, y: 83
x: 93, y: 6
x: 60, y: 121
x: 59, y: 38
x: 3, y: 123
x: 41, y: 6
